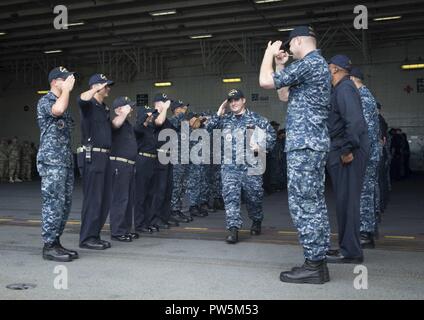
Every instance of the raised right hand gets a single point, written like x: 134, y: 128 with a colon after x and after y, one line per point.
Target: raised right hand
x: 68, y: 84
x: 222, y: 108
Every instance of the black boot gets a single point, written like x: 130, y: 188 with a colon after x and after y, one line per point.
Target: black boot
x: 55, y: 253
x: 173, y: 222
x: 255, y: 229
x: 72, y: 253
x: 195, y: 212
x: 178, y: 216
x: 210, y: 206
x: 233, y: 235
x: 314, y: 272
x: 367, y: 240
x: 204, y: 209
x: 218, y: 204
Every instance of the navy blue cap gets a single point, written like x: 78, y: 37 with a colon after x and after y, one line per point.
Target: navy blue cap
x: 160, y: 97
x: 123, y: 101
x: 59, y: 72
x: 300, y: 31
x: 142, y: 113
x: 235, y: 94
x: 357, y: 73
x: 99, y: 78
x: 177, y: 104
x: 341, y: 61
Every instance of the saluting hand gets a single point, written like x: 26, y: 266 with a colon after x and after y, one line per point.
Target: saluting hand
x: 68, y: 84
x: 274, y: 48
x: 126, y: 109
x: 222, y: 108
x: 99, y: 86
x: 167, y: 104
x: 281, y: 58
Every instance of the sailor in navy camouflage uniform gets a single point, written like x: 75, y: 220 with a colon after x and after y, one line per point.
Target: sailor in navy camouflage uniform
x: 196, y: 174
x: 306, y: 85
x: 368, y: 206
x: 180, y: 169
x: 55, y: 163
x: 240, y: 174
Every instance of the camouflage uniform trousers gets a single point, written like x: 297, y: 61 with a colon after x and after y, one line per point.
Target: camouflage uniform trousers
x: 180, y: 175
x: 367, y: 208
x: 234, y: 180
x: 195, y: 185
x: 204, y: 183
x: 3, y: 169
x: 57, y: 184
x: 26, y: 168
x: 14, y: 167
x: 215, y: 188
x: 306, y: 185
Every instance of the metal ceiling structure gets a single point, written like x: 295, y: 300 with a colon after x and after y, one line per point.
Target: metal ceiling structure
x: 122, y: 35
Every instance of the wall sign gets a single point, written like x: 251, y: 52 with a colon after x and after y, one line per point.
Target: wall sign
x: 420, y: 85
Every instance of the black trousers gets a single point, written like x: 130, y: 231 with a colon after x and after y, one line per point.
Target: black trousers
x: 144, y: 181
x: 162, y: 192
x: 123, y: 188
x: 97, y: 190
x: 347, y: 185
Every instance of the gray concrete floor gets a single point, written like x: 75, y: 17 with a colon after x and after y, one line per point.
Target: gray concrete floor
x: 194, y: 264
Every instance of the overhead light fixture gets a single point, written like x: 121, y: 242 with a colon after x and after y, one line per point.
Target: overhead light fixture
x: 203, y: 36
x: 53, y: 51
x: 388, y: 18
x: 163, y: 13
x: 163, y: 84
x: 266, y: 1
x: 3, y: 33
x: 231, y: 80
x: 75, y: 24
x: 42, y: 91
x: 285, y: 29
x: 413, y: 66
x: 122, y: 43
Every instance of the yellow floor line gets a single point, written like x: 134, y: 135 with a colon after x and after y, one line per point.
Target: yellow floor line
x: 34, y: 221
x: 5, y: 220
x: 400, y: 237
x: 74, y: 222
x: 287, y: 232
x: 199, y: 229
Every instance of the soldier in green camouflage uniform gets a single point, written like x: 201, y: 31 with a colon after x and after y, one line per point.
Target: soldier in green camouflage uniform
x: 14, y: 161
x: 4, y: 158
x: 27, y: 156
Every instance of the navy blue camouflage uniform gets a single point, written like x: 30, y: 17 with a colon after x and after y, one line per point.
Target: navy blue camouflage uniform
x: 237, y: 177
x: 368, y: 206
x: 307, y: 146
x: 180, y: 170
x: 55, y: 166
